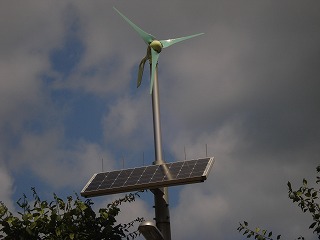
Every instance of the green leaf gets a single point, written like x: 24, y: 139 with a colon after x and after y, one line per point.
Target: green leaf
x: 312, y: 225
x: 245, y: 223
x: 82, y: 205
x: 33, y: 225
x: 3, y: 210
x: 304, y: 182
x: 44, y: 204
x: 58, y: 232
x: 278, y: 237
x: 270, y: 234
x: 289, y: 186
x: 27, y: 216
x: 29, y: 231
x: 104, y: 215
x: 292, y: 196
x: 71, y: 235
x: 317, y: 230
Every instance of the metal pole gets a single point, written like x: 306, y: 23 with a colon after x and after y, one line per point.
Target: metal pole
x: 161, y: 196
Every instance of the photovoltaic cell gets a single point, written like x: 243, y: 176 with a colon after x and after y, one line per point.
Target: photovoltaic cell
x: 148, y: 177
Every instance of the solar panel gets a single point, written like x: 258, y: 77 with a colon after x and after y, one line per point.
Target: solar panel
x: 148, y: 177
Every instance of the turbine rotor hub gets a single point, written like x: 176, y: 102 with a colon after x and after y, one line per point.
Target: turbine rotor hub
x: 156, y: 45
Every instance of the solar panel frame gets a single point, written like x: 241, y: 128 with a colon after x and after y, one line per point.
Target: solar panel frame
x: 148, y: 177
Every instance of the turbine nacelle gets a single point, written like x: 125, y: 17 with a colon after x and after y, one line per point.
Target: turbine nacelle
x: 156, y: 45
x: 154, y: 49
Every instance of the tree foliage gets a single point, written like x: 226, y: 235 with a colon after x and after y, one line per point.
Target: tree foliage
x: 307, y: 199
x: 258, y: 233
x: 70, y: 219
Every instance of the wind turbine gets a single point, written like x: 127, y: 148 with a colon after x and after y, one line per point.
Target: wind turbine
x: 161, y: 196
x: 154, y: 48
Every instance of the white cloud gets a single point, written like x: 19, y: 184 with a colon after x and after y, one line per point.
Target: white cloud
x: 128, y: 123
x: 28, y: 34
x: 198, y: 214
x: 242, y: 186
x: 138, y: 208
x: 60, y: 164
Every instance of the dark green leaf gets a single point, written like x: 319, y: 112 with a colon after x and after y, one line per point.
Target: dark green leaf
x: 314, y: 194
x: 304, y: 182
x: 312, y: 225
x: 292, y: 196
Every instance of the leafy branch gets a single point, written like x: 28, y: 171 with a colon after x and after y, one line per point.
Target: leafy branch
x: 65, y: 219
x: 306, y: 197
x: 258, y: 233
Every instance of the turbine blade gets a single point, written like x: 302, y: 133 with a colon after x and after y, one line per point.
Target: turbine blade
x: 154, y: 62
x: 169, y: 42
x: 147, y: 38
x: 141, y: 68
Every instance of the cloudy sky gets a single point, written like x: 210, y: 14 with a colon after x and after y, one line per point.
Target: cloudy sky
x: 248, y: 88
